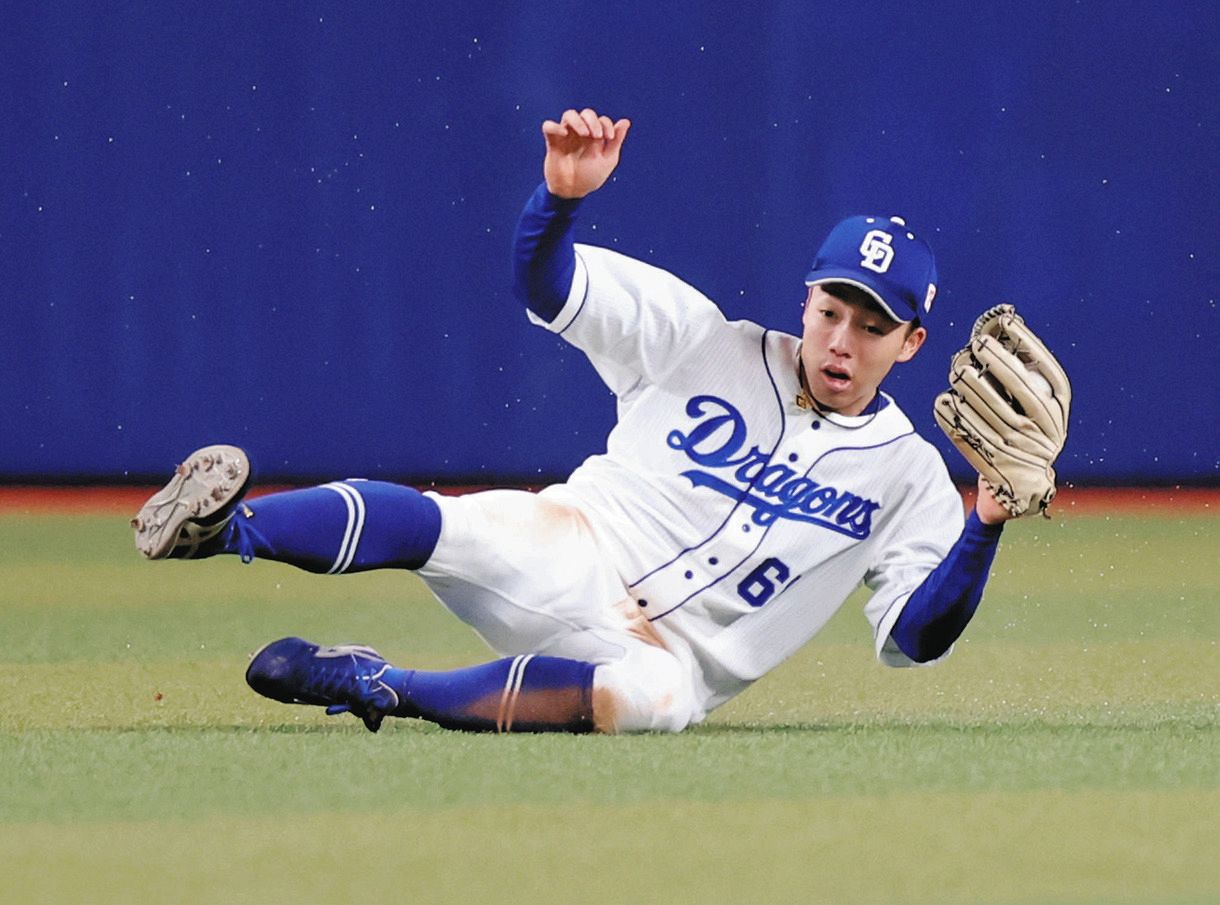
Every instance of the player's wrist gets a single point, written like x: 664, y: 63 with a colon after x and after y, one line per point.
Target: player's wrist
x: 559, y: 195
x: 988, y: 509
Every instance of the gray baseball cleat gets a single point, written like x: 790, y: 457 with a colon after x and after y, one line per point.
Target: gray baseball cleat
x: 195, y: 505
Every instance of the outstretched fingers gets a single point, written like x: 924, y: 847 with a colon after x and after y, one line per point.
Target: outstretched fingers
x: 617, y: 135
x: 592, y: 122
x: 582, y: 150
x: 587, y: 124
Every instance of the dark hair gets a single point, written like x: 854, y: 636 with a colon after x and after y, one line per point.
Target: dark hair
x: 846, y: 292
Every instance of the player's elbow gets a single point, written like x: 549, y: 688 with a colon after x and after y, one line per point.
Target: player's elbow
x: 928, y: 642
x: 543, y: 289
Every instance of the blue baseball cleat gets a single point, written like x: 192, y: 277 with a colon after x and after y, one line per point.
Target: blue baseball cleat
x: 345, y: 678
x: 195, y: 505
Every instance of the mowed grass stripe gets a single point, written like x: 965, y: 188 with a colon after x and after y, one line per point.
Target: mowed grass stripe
x: 1118, y: 683
x: 993, y: 848
x: 75, y: 587
x: 80, y: 777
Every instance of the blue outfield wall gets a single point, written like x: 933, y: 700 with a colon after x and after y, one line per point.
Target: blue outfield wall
x: 287, y: 225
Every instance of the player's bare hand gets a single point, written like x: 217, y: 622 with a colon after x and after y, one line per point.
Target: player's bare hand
x: 582, y: 150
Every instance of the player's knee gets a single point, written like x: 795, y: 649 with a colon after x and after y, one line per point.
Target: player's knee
x: 648, y: 691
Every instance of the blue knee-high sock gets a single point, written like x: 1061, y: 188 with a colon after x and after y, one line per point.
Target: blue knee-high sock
x: 347, y: 526
x: 517, y: 694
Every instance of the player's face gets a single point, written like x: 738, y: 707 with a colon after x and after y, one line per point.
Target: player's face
x: 847, y: 349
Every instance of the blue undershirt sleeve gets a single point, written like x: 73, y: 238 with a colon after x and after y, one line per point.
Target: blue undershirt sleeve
x: 544, y: 259
x: 939, y: 609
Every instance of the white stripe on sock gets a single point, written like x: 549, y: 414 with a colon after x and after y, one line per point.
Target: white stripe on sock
x: 508, y: 687
x: 344, y: 491
x: 512, y: 701
x: 358, y: 531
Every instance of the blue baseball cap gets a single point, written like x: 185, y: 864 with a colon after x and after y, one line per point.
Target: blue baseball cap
x: 885, y: 259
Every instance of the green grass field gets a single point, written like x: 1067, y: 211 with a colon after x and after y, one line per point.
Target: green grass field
x: 1068, y: 751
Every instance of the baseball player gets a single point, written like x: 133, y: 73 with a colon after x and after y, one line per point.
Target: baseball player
x: 753, y: 480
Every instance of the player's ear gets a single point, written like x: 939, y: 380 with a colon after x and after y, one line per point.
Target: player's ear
x: 912, y: 343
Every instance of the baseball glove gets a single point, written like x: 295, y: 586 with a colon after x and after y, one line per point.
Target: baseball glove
x: 1006, y: 409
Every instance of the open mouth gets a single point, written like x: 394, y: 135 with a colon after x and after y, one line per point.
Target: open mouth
x: 836, y: 378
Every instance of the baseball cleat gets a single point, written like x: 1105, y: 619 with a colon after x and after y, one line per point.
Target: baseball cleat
x: 195, y: 505
x: 345, y: 678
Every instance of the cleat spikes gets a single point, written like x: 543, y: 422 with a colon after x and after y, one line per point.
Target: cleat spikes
x: 195, y: 505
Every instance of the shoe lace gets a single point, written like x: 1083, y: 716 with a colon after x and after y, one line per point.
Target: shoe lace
x: 352, y: 687
x: 248, y: 538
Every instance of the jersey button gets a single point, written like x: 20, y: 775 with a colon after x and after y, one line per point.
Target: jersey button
x: 642, y: 603
x: 816, y: 425
x: 690, y: 574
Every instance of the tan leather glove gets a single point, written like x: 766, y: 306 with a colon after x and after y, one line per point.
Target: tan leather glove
x: 1006, y: 409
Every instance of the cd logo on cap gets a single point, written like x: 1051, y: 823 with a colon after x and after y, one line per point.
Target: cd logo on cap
x: 877, y: 251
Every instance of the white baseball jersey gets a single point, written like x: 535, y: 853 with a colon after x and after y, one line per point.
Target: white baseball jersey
x: 738, y: 520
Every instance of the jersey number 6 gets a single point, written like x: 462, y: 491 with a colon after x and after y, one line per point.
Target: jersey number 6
x: 760, y: 585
